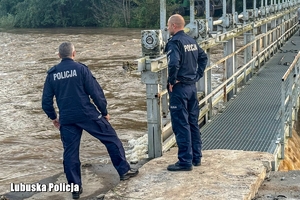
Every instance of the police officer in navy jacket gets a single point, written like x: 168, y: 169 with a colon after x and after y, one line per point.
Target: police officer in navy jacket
x: 186, y: 64
x: 73, y: 86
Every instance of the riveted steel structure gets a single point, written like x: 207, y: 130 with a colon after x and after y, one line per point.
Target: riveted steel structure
x: 264, y: 31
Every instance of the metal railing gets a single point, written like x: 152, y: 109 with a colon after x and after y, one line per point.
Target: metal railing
x: 263, y: 36
x: 290, y: 92
x: 250, y: 67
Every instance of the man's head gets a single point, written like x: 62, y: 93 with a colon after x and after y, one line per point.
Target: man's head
x: 66, y: 50
x: 175, y: 23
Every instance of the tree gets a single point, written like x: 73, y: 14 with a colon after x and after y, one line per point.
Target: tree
x: 104, y: 13
x: 54, y: 13
x: 108, y: 12
x: 126, y: 11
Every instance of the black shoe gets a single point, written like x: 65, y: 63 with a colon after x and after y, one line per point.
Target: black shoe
x: 177, y: 167
x: 129, y: 174
x: 197, y: 163
x: 76, y: 195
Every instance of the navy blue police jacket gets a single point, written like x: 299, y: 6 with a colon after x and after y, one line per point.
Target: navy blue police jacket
x: 186, y: 60
x: 73, y: 86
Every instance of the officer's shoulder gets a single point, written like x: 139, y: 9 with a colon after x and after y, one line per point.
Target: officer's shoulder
x: 172, y: 40
x: 175, y: 42
x: 177, y: 38
x: 51, y: 70
x: 82, y: 64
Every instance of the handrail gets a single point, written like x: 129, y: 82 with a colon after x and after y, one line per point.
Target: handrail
x: 244, y: 66
x: 242, y: 48
x: 289, y: 94
x: 292, y: 66
x: 154, y: 71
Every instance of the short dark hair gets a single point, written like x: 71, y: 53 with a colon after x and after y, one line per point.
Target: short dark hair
x: 66, y: 49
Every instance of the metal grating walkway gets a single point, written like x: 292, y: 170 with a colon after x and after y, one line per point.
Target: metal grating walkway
x: 249, y: 121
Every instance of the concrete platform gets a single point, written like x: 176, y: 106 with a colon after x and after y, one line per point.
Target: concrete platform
x: 224, y: 174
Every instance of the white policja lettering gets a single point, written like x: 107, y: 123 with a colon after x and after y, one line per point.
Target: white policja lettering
x: 190, y: 47
x: 64, y: 74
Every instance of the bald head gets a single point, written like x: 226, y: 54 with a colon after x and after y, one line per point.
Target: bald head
x: 175, y: 23
x: 178, y: 20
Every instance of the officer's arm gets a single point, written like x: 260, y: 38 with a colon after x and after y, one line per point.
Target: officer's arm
x: 95, y: 91
x: 173, y: 56
x: 47, y: 100
x: 202, y: 62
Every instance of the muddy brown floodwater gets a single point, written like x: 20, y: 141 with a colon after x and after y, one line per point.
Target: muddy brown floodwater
x: 30, y: 146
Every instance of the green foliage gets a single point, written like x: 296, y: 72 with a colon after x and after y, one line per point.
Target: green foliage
x: 7, y: 21
x: 53, y: 13
x: 146, y: 15
x: 86, y: 13
x: 110, y: 13
x: 8, y: 7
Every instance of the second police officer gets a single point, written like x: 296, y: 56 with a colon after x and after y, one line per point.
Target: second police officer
x: 186, y: 65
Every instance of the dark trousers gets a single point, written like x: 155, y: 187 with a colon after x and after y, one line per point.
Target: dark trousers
x: 100, y: 129
x: 184, y: 111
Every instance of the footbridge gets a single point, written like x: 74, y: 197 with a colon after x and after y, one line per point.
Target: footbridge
x: 249, y: 95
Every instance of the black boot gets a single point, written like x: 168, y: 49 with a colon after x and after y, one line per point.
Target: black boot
x: 196, y: 163
x: 131, y: 173
x: 178, y: 167
x: 76, y: 195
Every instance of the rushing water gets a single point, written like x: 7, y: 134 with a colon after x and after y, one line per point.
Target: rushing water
x: 30, y: 146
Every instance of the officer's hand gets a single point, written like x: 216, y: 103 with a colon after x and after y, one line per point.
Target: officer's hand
x: 107, y: 117
x: 56, y: 123
x: 171, y: 86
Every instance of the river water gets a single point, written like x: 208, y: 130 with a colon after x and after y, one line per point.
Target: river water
x: 30, y: 145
